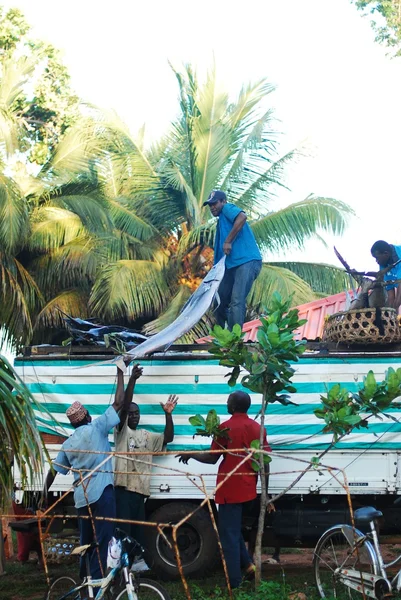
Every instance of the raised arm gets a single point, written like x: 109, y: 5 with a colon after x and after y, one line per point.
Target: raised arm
x: 123, y: 399
x: 168, y: 408
x: 236, y: 228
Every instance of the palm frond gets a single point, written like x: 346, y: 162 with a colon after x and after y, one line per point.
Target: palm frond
x: 210, y: 135
x: 77, y: 149
x: 252, y: 140
x: 168, y: 316
x: 72, y: 302
x: 120, y: 134
x: 93, y: 210
x: 127, y: 221
x: 14, y: 218
x: 203, y: 235
x: 322, y: 278
x: 53, y: 227
x: 74, y: 264
x: 122, y: 246
x: 201, y: 329
x: 19, y: 435
x: 242, y: 113
x: 257, y: 185
x: 128, y: 289
x: 175, y: 179
x: 17, y: 293
x: 276, y: 279
x: 296, y: 223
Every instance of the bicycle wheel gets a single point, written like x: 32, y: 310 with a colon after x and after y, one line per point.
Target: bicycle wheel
x: 60, y: 588
x: 148, y: 590
x: 334, y: 550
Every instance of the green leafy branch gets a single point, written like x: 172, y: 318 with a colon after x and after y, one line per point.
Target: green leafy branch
x: 209, y: 427
x: 268, y: 361
x: 255, y: 463
x: 343, y: 411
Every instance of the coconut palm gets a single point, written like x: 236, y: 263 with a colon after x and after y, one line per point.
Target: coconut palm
x: 214, y: 143
x: 108, y: 228
x: 19, y: 435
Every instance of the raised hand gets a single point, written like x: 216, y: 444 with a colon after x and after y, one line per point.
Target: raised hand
x: 170, y: 405
x: 137, y: 371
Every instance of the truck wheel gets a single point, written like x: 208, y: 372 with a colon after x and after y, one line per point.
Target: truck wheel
x: 196, y: 540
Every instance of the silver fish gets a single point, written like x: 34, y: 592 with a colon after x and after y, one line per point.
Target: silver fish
x: 192, y: 311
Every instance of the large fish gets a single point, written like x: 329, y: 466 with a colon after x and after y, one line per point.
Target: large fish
x: 192, y: 311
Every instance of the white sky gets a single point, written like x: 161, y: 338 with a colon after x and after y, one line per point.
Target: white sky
x: 335, y: 86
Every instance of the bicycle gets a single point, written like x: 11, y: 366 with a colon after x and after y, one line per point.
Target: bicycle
x: 348, y: 563
x: 129, y: 587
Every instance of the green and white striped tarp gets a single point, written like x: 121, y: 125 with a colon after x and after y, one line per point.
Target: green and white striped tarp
x: 201, y: 385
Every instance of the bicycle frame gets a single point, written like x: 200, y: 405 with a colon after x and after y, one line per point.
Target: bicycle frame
x: 105, y: 582
x: 364, y: 582
x: 395, y: 583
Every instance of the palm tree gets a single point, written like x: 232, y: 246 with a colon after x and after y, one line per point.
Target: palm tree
x: 214, y: 143
x: 110, y: 229
x: 19, y: 435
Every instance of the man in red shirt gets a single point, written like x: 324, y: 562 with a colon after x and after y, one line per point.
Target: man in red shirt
x: 232, y: 494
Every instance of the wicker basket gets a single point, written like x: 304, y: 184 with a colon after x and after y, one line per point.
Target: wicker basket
x: 358, y: 326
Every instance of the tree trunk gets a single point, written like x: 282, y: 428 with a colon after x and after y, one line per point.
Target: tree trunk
x: 263, y: 498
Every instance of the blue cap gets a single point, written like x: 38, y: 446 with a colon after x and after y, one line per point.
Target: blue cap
x: 215, y: 196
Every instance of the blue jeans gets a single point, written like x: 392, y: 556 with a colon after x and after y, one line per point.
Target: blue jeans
x: 104, y: 507
x: 235, y: 552
x: 233, y: 291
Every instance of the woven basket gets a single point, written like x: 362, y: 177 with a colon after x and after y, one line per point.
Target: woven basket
x: 357, y: 326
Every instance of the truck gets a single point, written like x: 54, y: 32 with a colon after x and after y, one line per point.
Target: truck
x: 371, y: 458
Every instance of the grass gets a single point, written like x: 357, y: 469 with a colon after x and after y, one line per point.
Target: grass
x: 27, y: 581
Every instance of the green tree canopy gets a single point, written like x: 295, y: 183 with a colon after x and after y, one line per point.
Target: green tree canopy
x: 104, y: 226
x: 36, y: 89
x: 385, y: 16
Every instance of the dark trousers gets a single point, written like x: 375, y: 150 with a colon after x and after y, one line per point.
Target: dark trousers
x: 233, y: 291
x: 104, y: 507
x: 131, y: 506
x: 235, y: 552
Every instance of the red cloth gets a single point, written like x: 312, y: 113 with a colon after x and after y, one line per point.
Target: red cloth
x: 26, y: 542
x: 239, y: 487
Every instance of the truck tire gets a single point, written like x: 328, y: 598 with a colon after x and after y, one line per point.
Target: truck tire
x: 196, y: 538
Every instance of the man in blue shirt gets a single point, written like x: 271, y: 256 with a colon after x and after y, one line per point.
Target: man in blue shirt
x: 85, y: 452
x: 387, y: 254
x: 235, y: 239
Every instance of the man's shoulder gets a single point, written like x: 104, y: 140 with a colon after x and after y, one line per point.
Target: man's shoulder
x: 230, y: 210
x: 397, y: 250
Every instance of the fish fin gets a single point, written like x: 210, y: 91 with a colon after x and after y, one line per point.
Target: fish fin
x: 117, y: 360
x: 217, y: 300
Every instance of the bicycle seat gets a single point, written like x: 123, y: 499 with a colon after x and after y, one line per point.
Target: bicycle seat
x: 366, y: 514
x: 82, y: 550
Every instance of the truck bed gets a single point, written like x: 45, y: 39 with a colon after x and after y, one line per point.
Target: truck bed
x: 370, y: 457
